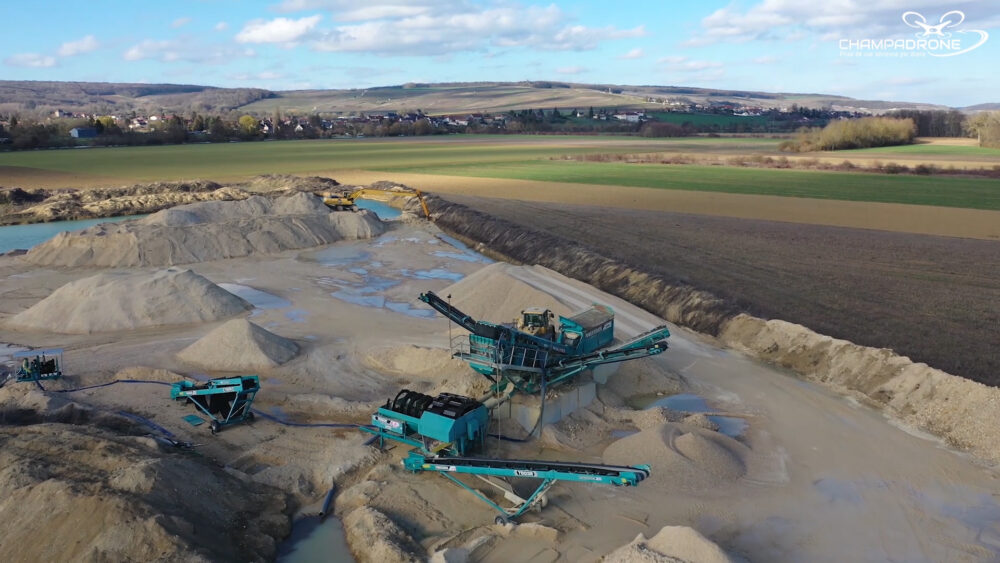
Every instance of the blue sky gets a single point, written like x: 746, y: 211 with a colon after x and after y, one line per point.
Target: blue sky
x: 770, y: 45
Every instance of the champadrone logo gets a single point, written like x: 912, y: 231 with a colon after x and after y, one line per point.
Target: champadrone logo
x: 944, y: 38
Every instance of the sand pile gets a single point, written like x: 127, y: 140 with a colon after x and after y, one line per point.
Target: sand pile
x: 61, y: 205
x: 239, y: 345
x: 374, y: 537
x: 965, y: 413
x: 492, y: 294
x: 98, y: 489
x: 276, y: 183
x: 672, y: 544
x: 118, y: 301
x: 211, y: 230
x: 414, y: 360
x: 681, y: 457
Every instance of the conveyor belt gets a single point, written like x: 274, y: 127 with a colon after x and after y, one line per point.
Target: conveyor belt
x: 541, y: 466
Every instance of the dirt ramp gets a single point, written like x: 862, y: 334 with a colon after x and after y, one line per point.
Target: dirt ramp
x: 963, y: 412
x: 672, y: 544
x: 681, y: 457
x: 118, y: 301
x: 239, y: 345
x: 211, y: 230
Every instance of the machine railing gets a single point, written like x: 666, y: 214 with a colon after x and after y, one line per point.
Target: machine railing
x: 501, y: 356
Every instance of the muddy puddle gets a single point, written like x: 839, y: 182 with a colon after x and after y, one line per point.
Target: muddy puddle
x: 732, y: 426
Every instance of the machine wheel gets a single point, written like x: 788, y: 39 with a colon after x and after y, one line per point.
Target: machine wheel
x: 214, y: 426
x: 502, y: 520
x: 250, y: 416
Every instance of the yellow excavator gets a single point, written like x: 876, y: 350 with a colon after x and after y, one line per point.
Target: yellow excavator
x: 341, y: 202
x: 537, y: 321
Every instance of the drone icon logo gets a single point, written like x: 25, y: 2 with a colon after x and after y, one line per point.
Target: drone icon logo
x: 941, y: 39
x: 917, y: 20
x: 950, y: 19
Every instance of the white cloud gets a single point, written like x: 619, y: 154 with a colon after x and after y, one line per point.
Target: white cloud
x: 909, y: 81
x: 78, y: 47
x: 147, y: 49
x: 278, y: 30
x: 765, y: 60
x: 683, y: 64
x: 570, y: 70
x: 180, y: 22
x: 448, y: 27
x: 636, y: 53
x: 792, y: 20
x: 30, y: 60
x: 252, y: 76
x: 184, y: 50
x: 221, y: 26
x: 378, y: 12
x: 672, y: 59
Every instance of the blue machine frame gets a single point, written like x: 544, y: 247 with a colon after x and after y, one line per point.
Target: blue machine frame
x: 226, y: 400
x: 35, y: 366
x: 444, y: 429
x: 531, y: 363
x: 545, y: 472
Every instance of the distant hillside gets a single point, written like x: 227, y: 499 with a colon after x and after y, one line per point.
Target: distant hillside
x: 981, y: 107
x: 441, y: 98
x: 107, y: 97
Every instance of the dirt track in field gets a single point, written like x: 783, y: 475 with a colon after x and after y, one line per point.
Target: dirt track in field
x: 931, y: 298
x: 918, y: 219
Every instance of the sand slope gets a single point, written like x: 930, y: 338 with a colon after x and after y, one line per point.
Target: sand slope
x: 963, y: 412
x: 120, y: 301
x: 86, y: 492
x: 492, y: 294
x: 239, y: 345
x: 672, y: 544
x: 681, y: 457
x: 210, y: 230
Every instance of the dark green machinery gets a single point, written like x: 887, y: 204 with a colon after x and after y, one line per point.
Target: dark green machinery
x: 39, y: 365
x: 445, y: 429
x: 531, y: 363
x: 226, y: 400
x: 447, y: 422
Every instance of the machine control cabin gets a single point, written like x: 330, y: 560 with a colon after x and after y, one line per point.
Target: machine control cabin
x: 588, y: 331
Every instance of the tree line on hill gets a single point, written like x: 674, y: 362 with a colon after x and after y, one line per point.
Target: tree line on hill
x: 896, y: 128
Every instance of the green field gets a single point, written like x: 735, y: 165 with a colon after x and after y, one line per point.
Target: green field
x: 928, y: 149
x: 972, y: 193
x: 508, y: 157
x: 230, y: 160
x: 709, y: 119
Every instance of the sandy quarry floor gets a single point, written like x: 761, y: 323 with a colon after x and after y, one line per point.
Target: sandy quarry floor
x: 815, y: 477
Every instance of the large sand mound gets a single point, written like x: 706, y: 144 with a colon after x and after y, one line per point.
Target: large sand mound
x: 239, y: 345
x: 210, y: 230
x: 681, y: 457
x: 98, y: 490
x: 672, y: 544
x: 492, y: 294
x: 117, y: 301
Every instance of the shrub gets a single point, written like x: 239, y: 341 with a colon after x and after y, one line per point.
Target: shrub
x: 853, y: 134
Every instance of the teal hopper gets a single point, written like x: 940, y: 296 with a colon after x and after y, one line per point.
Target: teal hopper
x: 226, y: 400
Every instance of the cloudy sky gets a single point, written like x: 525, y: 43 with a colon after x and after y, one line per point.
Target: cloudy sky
x: 771, y: 45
